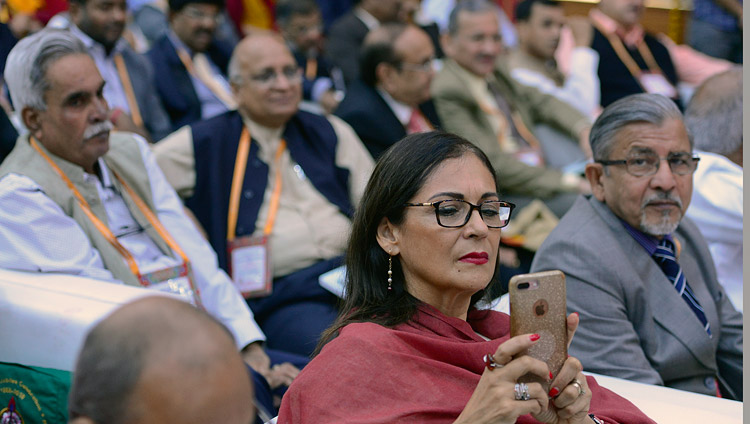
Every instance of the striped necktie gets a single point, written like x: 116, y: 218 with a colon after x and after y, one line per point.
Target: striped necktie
x: 665, y: 257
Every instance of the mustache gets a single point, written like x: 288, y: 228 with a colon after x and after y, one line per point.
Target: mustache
x: 92, y: 130
x: 662, y: 196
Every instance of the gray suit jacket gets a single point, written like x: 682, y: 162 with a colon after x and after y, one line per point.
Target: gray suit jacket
x: 634, y: 324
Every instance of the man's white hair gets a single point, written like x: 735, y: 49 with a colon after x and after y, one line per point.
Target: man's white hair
x: 28, y: 61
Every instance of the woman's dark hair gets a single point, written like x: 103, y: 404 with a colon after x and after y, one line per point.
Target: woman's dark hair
x: 399, y: 174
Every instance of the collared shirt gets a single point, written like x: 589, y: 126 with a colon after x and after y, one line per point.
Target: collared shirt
x: 716, y: 208
x: 370, y: 21
x: 308, y: 228
x: 210, y: 104
x: 114, y: 92
x: 579, y: 89
x: 401, y: 110
x: 36, y: 235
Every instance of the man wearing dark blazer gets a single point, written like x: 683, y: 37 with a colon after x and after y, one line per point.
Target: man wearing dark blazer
x: 191, y: 64
x: 347, y: 33
x: 129, y: 90
x: 392, y: 99
x: 637, y: 271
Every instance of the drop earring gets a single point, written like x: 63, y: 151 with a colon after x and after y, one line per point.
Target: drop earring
x: 390, y: 272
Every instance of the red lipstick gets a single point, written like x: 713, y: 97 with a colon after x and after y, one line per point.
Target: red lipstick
x: 477, y: 258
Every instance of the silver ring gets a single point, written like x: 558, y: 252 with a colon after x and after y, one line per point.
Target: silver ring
x: 522, y: 391
x: 578, y: 384
x: 489, y: 362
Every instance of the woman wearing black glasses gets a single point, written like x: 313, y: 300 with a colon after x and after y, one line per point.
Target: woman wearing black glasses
x: 408, y: 344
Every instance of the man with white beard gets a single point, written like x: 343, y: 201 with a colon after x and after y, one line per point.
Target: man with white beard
x: 638, y: 272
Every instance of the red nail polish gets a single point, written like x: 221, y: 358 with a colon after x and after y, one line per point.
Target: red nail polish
x: 576, y: 314
x: 534, y: 337
x: 554, y: 392
x: 551, y: 377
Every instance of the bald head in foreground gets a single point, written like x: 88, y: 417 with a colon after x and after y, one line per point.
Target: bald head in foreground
x: 159, y: 360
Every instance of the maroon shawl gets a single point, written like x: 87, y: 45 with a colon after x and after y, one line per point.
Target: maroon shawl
x: 421, y: 371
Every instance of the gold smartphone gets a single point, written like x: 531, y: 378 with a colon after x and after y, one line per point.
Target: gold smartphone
x: 537, y: 305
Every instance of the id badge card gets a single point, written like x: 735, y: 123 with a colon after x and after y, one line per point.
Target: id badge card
x: 655, y: 83
x: 249, y: 265
x: 174, y: 280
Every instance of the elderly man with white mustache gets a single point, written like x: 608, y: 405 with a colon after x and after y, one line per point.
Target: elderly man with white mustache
x: 77, y: 199
x: 638, y: 272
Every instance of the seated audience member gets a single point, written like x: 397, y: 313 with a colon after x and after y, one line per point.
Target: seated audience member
x: 633, y: 61
x: 637, y: 271
x: 409, y: 326
x: 346, y: 34
x: 191, y: 64
x: 714, y: 119
x: 476, y: 98
x: 78, y: 199
x: 300, y: 24
x: 159, y: 360
x: 291, y: 195
x: 393, y: 96
x: 438, y: 11
x: 129, y: 88
x: 540, y: 24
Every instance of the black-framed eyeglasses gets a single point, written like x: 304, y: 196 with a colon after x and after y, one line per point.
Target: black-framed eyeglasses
x: 644, y: 164
x: 454, y: 213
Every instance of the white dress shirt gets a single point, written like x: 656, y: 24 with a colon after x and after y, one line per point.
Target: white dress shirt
x: 716, y: 207
x: 581, y: 89
x: 401, y: 110
x: 37, y: 235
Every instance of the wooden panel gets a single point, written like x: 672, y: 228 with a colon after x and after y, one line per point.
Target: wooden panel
x: 656, y: 19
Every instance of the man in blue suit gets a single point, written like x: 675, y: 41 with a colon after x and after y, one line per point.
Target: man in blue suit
x: 191, y: 64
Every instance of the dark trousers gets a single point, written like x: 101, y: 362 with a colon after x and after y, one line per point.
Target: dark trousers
x: 298, y: 310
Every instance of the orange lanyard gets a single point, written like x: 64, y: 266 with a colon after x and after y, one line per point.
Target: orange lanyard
x: 627, y: 58
x: 104, y: 230
x: 122, y: 71
x: 311, y: 68
x: 523, y: 131
x: 240, y: 164
x: 211, y: 85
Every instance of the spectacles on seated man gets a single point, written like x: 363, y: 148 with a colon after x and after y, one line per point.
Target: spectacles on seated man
x: 647, y: 163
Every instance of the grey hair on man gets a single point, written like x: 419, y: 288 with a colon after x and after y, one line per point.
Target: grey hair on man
x: 27, y: 64
x: 714, y: 115
x: 637, y: 108
x: 470, y: 6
